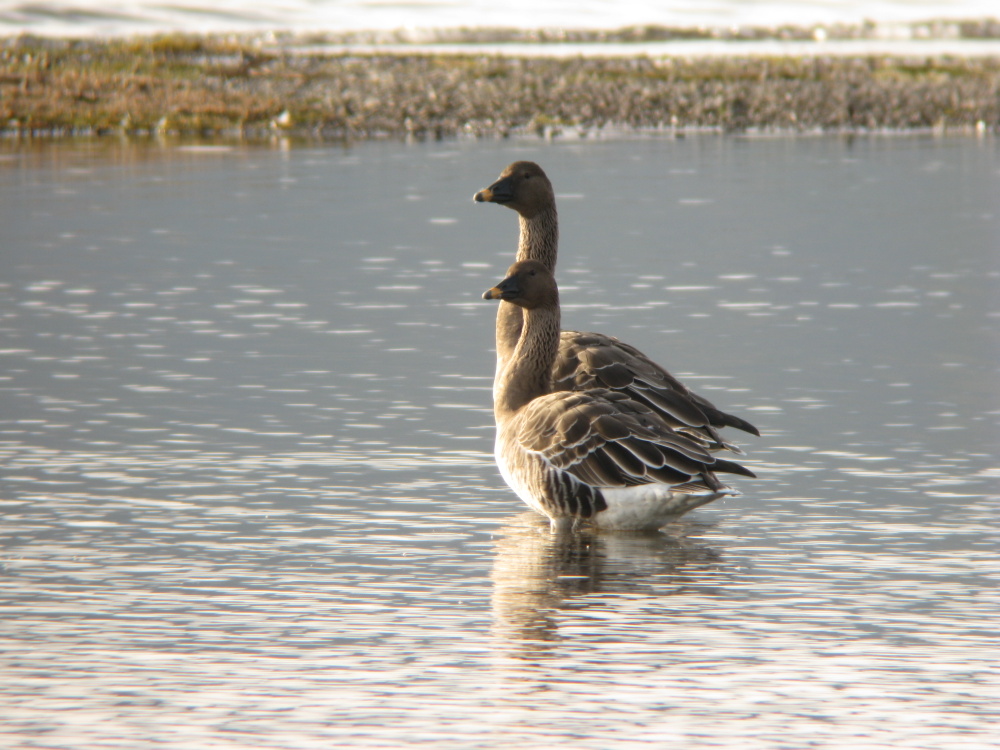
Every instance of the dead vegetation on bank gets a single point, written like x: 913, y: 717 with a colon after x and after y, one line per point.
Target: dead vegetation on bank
x: 211, y: 87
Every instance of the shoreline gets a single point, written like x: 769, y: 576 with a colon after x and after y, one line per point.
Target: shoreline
x: 231, y: 87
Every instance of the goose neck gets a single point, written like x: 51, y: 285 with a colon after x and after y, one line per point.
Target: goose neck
x: 539, y: 238
x: 527, y: 374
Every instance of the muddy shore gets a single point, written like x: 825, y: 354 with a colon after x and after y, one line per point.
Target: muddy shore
x: 215, y: 87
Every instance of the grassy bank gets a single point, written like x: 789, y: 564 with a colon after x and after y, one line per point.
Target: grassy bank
x: 210, y: 87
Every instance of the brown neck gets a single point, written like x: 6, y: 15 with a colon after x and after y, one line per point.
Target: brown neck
x: 539, y: 240
x: 509, y: 325
x: 540, y: 237
x: 527, y: 374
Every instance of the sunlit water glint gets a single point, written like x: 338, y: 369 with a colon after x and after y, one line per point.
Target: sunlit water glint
x: 249, y: 499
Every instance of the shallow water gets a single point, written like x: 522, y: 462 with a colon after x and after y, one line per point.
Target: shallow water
x: 248, y: 498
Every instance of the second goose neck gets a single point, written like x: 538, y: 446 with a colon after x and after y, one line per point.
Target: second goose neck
x: 528, y: 372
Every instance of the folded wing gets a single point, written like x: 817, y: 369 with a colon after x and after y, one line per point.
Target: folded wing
x: 607, y: 440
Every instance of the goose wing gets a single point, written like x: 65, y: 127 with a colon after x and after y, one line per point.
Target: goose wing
x: 594, y: 360
x: 605, y: 439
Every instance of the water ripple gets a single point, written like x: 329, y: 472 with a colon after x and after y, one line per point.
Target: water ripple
x: 248, y: 492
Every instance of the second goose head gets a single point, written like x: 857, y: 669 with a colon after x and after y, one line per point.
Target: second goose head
x: 529, y: 284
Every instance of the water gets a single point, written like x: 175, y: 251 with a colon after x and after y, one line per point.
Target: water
x: 118, y: 17
x: 248, y: 498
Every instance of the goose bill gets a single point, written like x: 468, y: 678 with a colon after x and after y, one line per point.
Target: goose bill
x: 499, y: 192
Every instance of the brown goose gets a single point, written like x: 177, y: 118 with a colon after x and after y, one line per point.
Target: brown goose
x: 592, y: 360
x: 589, y: 454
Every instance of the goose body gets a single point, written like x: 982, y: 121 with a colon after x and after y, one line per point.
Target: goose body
x: 592, y: 454
x: 587, y: 360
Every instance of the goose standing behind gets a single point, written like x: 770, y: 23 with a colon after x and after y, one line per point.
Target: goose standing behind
x: 590, y: 454
x: 592, y: 360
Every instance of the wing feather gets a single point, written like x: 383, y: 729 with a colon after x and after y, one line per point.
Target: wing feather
x: 591, y: 360
x: 607, y: 440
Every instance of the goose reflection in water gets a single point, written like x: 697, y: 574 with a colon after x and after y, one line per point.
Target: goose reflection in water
x: 540, y: 578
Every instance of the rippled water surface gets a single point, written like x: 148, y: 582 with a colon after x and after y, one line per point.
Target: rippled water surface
x: 248, y: 498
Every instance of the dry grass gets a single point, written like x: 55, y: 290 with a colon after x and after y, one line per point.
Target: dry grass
x: 205, y: 86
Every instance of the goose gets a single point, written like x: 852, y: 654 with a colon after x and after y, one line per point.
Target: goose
x: 592, y: 360
x: 591, y: 454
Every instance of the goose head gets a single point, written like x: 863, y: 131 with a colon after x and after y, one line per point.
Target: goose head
x: 522, y: 186
x: 529, y: 284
